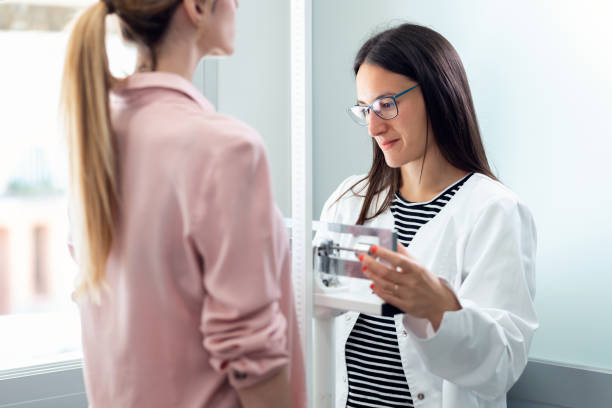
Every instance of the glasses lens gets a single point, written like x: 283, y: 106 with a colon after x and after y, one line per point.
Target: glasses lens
x: 359, y: 114
x: 385, y: 108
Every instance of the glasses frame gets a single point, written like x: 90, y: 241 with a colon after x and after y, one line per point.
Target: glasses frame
x: 369, y: 108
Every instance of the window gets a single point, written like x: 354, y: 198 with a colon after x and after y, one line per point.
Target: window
x: 40, y: 267
x: 38, y: 321
x: 4, y: 277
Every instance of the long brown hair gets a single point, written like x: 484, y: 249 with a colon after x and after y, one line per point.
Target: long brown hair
x: 429, y: 59
x: 86, y: 84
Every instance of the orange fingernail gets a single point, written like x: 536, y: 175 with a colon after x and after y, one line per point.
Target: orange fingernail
x: 363, y: 268
x: 373, y: 249
x: 360, y: 257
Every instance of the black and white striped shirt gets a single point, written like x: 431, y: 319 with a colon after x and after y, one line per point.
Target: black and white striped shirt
x: 375, y: 373
x: 409, y: 217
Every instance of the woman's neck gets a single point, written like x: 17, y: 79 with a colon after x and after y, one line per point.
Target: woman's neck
x: 177, y: 52
x: 422, y: 182
x: 177, y: 60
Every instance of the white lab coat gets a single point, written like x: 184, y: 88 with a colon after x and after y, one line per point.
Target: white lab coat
x: 483, y: 244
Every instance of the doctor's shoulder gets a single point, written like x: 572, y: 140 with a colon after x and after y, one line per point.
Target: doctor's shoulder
x: 492, y: 202
x: 345, y: 200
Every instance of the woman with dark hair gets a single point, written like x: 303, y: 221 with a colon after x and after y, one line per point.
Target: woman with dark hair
x: 466, y: 282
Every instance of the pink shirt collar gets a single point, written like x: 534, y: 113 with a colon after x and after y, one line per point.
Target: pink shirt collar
x: 166, y: 80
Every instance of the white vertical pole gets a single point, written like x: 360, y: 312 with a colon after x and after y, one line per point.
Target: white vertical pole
x: 324, y: 363
x: 301, y: 174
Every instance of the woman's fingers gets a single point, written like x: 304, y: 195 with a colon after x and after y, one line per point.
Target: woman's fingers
x: 382, y: 284
x: 411, y: 288
x: 378, y: 269
x: 391, y: 298
x: 400, y: 258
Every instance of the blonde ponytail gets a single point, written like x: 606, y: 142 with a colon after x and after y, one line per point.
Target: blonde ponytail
x: 93, y: 168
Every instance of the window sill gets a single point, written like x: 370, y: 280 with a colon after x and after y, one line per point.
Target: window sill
x: 44, y: 386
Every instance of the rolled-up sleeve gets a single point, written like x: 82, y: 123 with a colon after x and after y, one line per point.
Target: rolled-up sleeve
x: 484, y: 346
x: 238, y: 232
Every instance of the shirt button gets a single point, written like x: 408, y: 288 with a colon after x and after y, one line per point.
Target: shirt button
x: 348, y: 317
x: 344, y: 378
x: 421, y: 396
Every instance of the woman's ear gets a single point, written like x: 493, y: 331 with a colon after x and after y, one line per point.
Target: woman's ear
x: 195, y: 10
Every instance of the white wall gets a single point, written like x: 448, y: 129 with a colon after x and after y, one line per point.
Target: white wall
x: 540, y: 74
x: 254, y: 85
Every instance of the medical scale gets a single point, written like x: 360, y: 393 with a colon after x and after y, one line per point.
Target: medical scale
x: 339, y: 285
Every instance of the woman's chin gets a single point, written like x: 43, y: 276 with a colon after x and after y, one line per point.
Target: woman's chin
x: 221, y: 51
x: 393, y: 162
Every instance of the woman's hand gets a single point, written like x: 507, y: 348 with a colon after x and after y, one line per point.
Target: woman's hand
x: 407, y: 285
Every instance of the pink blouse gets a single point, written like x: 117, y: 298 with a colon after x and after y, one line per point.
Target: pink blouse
x: 200, y: 301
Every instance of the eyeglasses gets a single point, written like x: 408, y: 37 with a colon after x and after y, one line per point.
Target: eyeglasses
x: 384, y: 107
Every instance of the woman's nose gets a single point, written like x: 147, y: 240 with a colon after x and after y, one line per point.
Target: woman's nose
x: 376, y: 125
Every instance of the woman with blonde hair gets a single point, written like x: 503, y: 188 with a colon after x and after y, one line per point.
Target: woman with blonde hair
x: 185, y: 291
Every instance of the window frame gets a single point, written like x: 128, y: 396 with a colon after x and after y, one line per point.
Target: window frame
x: 61, y: 384
x: 46, y: 385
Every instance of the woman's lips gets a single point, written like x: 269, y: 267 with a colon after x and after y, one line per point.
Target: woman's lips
x: 387, y: 144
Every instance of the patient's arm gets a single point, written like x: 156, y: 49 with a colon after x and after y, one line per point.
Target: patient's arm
x: 273, y: 392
